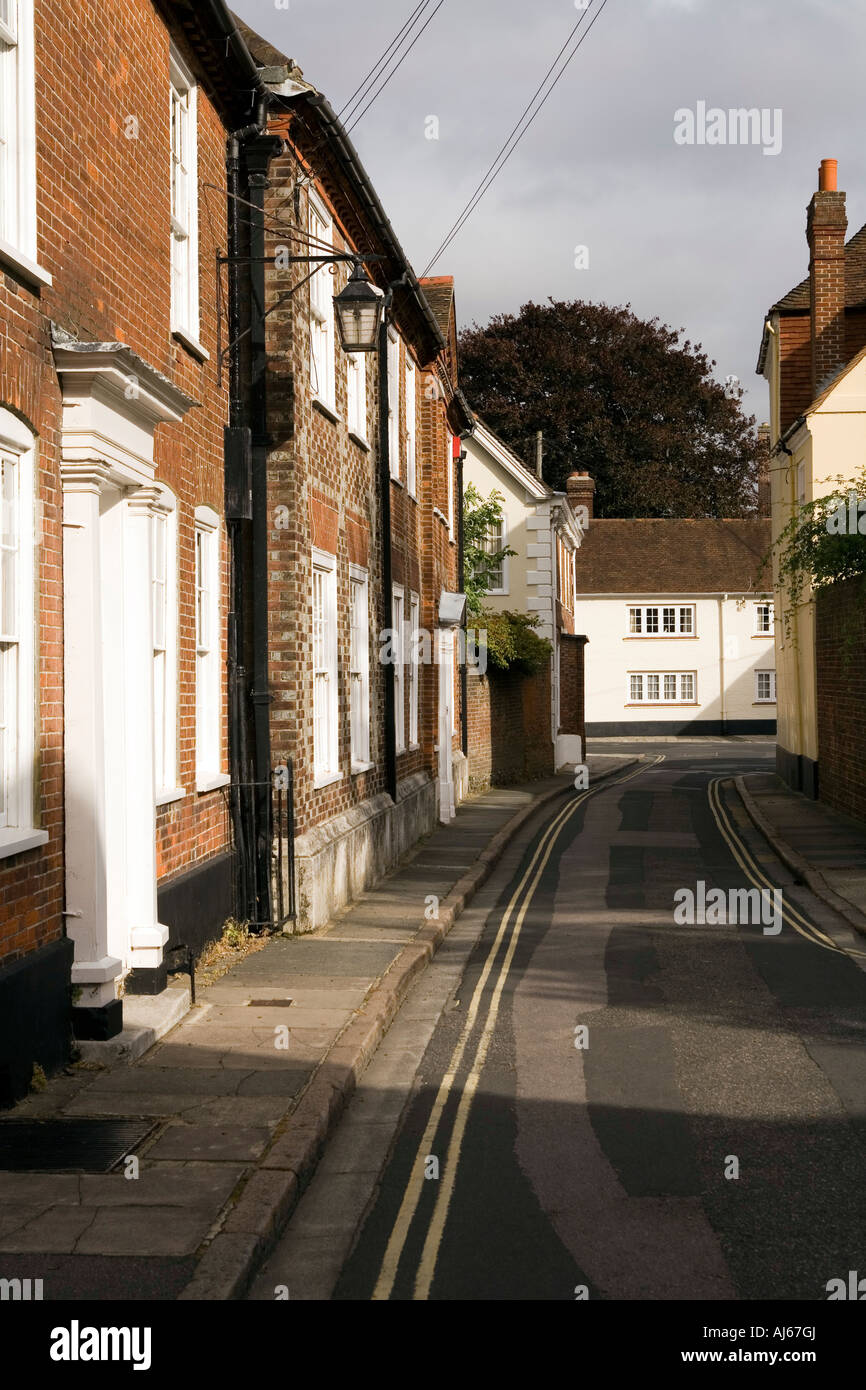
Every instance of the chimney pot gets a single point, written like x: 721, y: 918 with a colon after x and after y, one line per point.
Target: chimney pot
x: 827, y: 176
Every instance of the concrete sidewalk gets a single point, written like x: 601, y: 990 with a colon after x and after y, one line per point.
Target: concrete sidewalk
x: 823, y: 848
x: 245, y: 1090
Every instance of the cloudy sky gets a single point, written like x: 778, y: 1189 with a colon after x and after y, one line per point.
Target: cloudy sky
x: 706, y: 237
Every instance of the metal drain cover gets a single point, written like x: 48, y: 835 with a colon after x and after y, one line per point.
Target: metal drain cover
x: 69, y: 1146
x: 269, y: 1003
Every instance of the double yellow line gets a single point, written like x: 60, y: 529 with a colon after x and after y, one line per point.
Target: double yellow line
x: 450, y: 1163
x: 756, y: 876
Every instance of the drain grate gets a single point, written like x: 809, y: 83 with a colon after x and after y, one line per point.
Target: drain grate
x: 269, y: 1003
x: 69, y: 1146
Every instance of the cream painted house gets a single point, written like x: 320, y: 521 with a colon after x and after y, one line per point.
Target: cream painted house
x: 689, y: 653
x: 814, y: 360
x: 545, y: 529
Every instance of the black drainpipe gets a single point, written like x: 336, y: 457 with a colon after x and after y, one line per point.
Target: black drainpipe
x: 387, y: 597
x: 259, y: 154
x: 246, y: 479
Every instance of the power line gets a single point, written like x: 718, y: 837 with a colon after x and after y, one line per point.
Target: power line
x: 517, y: 134
x: 385, y: 56
x: 405, y: 55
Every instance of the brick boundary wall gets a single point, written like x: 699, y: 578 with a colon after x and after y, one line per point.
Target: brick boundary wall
x: 572, y: 695
x: 509, y: 728
x: 840, y: 651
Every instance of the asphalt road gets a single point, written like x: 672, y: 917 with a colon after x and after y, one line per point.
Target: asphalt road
x: 618, y: 1106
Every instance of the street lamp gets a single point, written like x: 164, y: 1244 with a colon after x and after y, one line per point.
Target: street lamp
x: 359, y: 308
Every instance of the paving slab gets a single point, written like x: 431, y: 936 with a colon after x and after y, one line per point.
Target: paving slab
x: 55, y: 1231
x: 132, y: 1230
x: 193, y: 1184
x: 217, y: 1143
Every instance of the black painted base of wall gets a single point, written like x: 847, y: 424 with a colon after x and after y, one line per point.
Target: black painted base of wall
x: 147, y: 981
x: 34, y: 1017
x: 98, y: 1024
x: 800, y: 773
x: 676, y: 728
x: 195, y: 905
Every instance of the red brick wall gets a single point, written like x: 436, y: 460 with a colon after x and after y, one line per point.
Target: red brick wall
x: 841, y: 673
x: 103, y: 235
x: 509, y: 728
x: 572, y: 718
x: 323, y: 490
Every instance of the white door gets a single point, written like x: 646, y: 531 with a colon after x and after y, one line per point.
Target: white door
x: 446, y: 724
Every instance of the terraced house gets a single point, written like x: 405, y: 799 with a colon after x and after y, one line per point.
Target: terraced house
x: 361, y: 563
x: 114, y: 823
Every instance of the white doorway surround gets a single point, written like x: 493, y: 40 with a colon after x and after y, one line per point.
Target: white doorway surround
x: 445, y: 788
x: 112, y: 403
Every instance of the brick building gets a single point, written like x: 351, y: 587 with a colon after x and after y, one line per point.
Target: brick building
x: 813, y: 356
x: 362, y: 514
x: 113, y: 735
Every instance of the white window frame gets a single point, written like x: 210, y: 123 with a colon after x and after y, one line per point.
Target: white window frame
x: 414, y: 667
x: 359, y: 667
x: 356, y: 394
x: 398, y: 648
x: 326, y: 750
x: 165, y: 650
x: 18, y: 652
x: 394, y: 461
x: 659, y: 678
x: 18, y: 143
x: 639, y: 620
x: 765, y: 699
x: 323, y: 366
x: 760, y: 631
x: 491, y: 548
x: 411, y: 427
x: 185, y: 312
x: 208, y: 653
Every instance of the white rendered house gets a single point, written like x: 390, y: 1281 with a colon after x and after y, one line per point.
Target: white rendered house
x: 680, y: 621
x: 545, y: 529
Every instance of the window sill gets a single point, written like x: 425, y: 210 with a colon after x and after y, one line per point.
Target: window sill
x: 191, y: 344
x: 325, y: 409
x: 661, y: 704
x: 358, y: 768
x: 441, y: 515
x: 397, y: 480
x: 211, y: 784
x: 18, y: 841
x: 167, y: 797
x: 361, y: 442
x: 764, y: 702
x: 763, y: 635
x: 661, y: 636
x: 327, y: 780
x: 23, y: 266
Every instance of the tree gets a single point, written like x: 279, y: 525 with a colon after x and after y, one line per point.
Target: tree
x: 620, y: 397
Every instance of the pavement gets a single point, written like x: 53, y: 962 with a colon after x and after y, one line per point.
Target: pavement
x: 823, y: 848
x: 246, y: 1089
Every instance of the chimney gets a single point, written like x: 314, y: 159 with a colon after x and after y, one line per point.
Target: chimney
x: 764, y: 502
x: 580, y: 488
x: 825, y: 230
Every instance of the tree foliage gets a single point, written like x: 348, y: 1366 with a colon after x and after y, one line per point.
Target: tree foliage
x: 620, y: 397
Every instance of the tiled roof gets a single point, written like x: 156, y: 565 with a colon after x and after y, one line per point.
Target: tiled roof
x: 439, y: 293
x: 855, y: 280
x: 673, y: 556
